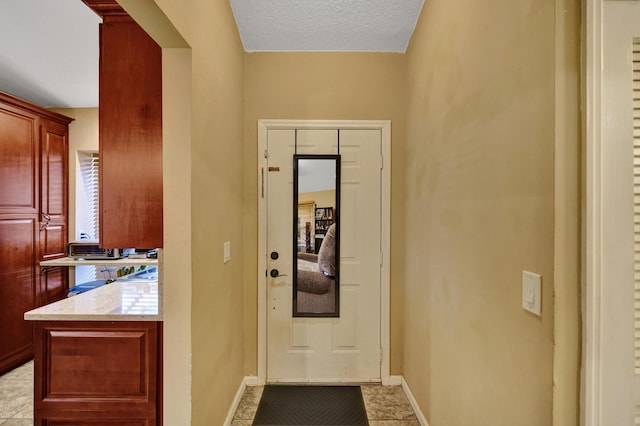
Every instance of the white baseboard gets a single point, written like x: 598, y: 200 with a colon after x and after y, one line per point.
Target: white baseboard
x: 247, y: 381
x: 251, y: 380
x: 416, y: 408
x: 395, y: 380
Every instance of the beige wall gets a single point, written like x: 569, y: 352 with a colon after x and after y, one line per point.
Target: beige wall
x: 567, y: 220
x: 321, y: 198
x: 347, y: 86
x: 475, y: 181
x: 216, y: 162
x: 481, y: 137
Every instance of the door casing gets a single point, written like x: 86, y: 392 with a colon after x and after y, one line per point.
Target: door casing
x: 385, y: 127
x: 598, y: 310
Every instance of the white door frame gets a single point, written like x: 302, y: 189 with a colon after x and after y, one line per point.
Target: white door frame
x: 385, y: 127
x: 597, y: 311
x: 592, y: 220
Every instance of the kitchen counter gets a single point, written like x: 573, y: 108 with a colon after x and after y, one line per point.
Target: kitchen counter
x: 70, y: 261
x: 122, y: 300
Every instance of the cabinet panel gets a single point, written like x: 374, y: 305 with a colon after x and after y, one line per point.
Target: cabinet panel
x: 53, y: 241
x: 17, y: 289
x: 130, y: 136
x: 97, y: 370
x: 54, y: 159
x: 73, y: 420
x: 18, y: 160
x: 53, y: 285
x: 116, y: 358
x: 53, y: 189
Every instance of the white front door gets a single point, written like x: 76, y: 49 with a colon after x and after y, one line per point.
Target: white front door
x: 326, y: 349
x: 613, y: 240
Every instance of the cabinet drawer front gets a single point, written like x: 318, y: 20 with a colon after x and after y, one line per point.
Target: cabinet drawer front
x: 80, y: 419
x: 97, y: 366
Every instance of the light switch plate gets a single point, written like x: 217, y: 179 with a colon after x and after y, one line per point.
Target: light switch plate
x: 227, y: 251
x: 532, y: 292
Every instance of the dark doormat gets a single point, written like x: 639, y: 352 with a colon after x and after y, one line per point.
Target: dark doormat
x: 311, y: 405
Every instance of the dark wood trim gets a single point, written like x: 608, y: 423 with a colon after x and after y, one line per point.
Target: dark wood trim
x: 26, y: 105
x: 106, y: 7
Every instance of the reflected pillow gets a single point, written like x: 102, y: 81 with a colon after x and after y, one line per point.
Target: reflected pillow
x: 327, y: 253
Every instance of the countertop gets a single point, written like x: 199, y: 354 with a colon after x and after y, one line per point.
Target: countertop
x: 126, y: 300
x: 70, y: 261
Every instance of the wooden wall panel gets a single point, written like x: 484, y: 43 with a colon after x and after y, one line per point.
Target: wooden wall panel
x: 130, y: 136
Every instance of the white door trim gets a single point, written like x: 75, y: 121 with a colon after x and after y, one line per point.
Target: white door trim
x: 592, y: 362
x: 385, y: 127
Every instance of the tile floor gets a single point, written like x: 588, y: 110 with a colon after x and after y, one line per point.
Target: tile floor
x: 16, y: 396
x: 385, y: 405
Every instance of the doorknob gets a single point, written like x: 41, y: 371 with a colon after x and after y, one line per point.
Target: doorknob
x: 275, y: 273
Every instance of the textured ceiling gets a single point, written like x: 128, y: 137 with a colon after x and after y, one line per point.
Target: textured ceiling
x: 49, y: 48
x: 326, y: 25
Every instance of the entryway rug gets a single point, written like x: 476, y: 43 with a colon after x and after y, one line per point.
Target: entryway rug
x: 311, y: 405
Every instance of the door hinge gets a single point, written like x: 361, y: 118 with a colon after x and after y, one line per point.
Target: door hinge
x: 262, y: 177
x: 381, y: 356
x: 381, y: 258
x: 266, y: 154
x: 381, y: 161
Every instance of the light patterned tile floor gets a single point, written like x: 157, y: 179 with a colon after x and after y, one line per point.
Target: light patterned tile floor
x: 385, y: 405
x: 16, y: 396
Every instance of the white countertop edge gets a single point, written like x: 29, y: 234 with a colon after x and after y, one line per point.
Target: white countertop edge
x: 103, y: 304
x: 88, y: 317
x: 70, y: 261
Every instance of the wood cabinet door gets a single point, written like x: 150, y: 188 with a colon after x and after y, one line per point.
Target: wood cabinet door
x: 130, y: 136
x: 18, y: 161
x: 53, y: 284
x: 17, y: 288
x: 98, y: 370
x: 54, y: 200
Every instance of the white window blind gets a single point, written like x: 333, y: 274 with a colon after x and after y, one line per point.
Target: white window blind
x: 88, y: 226
x: 89, y: 166
x: 636, y: 201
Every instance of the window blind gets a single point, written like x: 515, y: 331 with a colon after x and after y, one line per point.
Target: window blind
x: 636, y: 201
x: 89, y: 167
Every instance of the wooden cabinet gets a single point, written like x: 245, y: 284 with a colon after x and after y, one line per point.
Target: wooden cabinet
x: 102, y: 373
x: 130, y: 121
x: 33, y: 218
x: 18, y: 273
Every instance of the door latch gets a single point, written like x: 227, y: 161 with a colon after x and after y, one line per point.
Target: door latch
x: 275, y: 273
